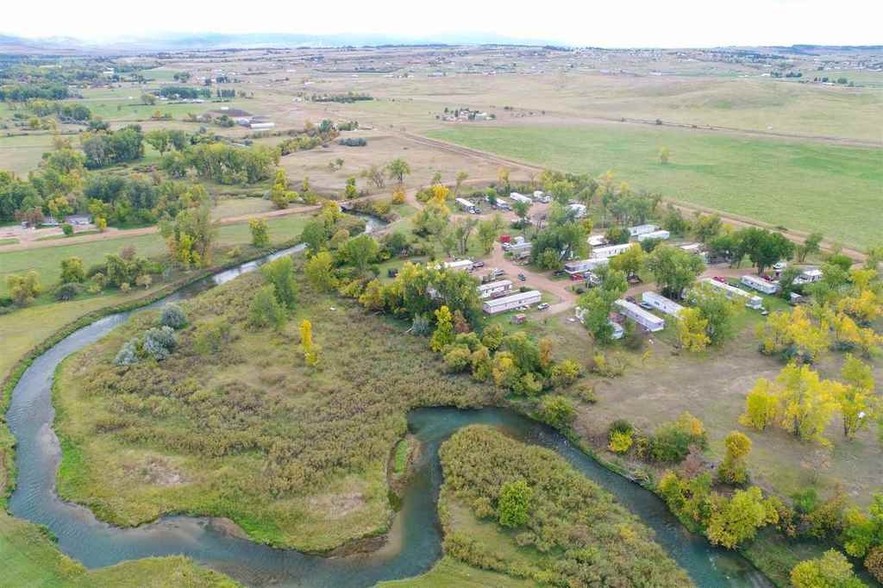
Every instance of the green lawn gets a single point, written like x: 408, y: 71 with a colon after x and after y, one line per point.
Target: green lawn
x: 31, y: 559
x: 811, y: 186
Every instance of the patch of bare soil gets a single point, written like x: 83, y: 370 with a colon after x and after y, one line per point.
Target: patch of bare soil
x: 157, y: 471
x: 338, y: 506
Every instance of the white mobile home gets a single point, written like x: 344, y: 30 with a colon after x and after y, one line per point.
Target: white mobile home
x: 639, y: 230
x: 661, y: 235
x: 596, y: 240
x: 609, y: 251
x: 584, y: 265
x: 695, y: 248
x: 467, y: 206
x: 494, y: 289
x: 752, y: 301
x: 460, y: 265
x: 649, y: 321
x: 497, y: 305
x: 503, y: 204
x: 541, y: 196
x: 760, y: 284
x: 577, y: 210
x: 809, y: 275
x: 520, y: 198
x: 660, y: 302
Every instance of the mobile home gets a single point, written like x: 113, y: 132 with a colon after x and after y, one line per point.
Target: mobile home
x: 494, y: 289
x: 808, y: 276
x: 497, y: 305
x: 609, y: 251
x: 760, y: 284
x: 752, y: 301
x: 596, y: 240
x: 584, y: 265
x: 503, y: 204
x: 660, y: 302
x: 467, y: 206
x: 661, y: 235
x: 541, y: 197
x: 520, y: 198
x: 578, y: 210
x: 649, y: 321
x: 459, y: 265
x: 639, y: 230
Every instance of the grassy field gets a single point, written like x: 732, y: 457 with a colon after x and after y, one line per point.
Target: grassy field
x: 295, y: 456
x: 806, y: 186
x: 47, y: 260
x: 31, y: 559
x: 22, y: 153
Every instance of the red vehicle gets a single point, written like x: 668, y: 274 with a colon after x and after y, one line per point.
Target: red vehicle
x: 720, y: 279
x: 576, y: 277
x: 505, y: 238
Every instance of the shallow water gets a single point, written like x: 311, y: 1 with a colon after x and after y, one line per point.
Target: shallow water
x: 97, y: 544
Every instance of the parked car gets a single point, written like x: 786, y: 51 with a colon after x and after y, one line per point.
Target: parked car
x: 645, y: 306
x: 720, y: 279
x: 522, y: 277
x: 477, y: 264
x: 543, y: 306
x: 780, y: 265
x: 631, y: 299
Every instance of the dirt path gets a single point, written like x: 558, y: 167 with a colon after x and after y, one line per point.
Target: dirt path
x: 735, y: 220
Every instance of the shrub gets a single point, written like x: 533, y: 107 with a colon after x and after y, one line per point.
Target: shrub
x: 173, y: 316
x: 557, y: 411
x: 672, y: 441
x: 128, y: 353
x: 565, y: 373
x: 514, y: 504
x: 159, y: 342
x: 212, y: 336
x: 68, y: 291
x: 874, y: 563
x: 830, y: 570
x: 265, y: 310
x: 458, y: 358
x: 620, y: 441
x: 67, y: 229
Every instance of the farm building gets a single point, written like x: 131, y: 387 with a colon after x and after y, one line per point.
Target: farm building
x: 520, y: 198
x: 649, y: 321
x: 460, y: 265
x: 584, y: 265
x: 661, y: 235
x: 660, y: 302
x: 760, y: 284
x: 639, y: 230
x: 497, y: 305
x: 610, y: 251
x: 494, y: 289
x: 752, y: 301
x: 467, y: 206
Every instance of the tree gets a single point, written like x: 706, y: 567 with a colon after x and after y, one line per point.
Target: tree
x: 260, y: 232
x: 280, y: 273
x: 159, y: 139
x: 319, y: 270
x: 763, y: 247
x: 503, y: 177
x: 72, y: 271
x: 630, y: 261
x: 397, y: 169
x: 350, y: 191
x: 706, y: 227
x: 557, y: 410
x: 23, y: 288
x: 674, y: 269
x: 173, y: 316
x: 462, y: 231
x: 315, y: 235
x: 855, y: 397
x: 265, y: 310
x: 761, y: 406
x: 374, y: 175
x: 514, y: 505
x: 190, y: 236
x: 717, y: 310
x: 811, y: 246
x: 733, y: 469
x: 831, y: 570
x: 692, y: 330
x: 795, y: 335
x: 280, y: 195
x: 521, y: 209
x: 360, y: 251
x: 664, y: 154
x: 444, y: 329
x: 461, y: 177
x: 487, y: 234
x: 311, y: 352
x: 737, y: 520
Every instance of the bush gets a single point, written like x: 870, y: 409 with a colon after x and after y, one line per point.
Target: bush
x: 514, y: 505
x: 159, y: 342
x: 212, y: 336
x: 458, y: 359
x: 128, y: 353
x: 620, y: 441
x: 69, y: 291
x: 173, y: 316
x: 672, y: 441
x: 565, y: 373
x: 67, y: 229
x: 557, y: 411
x: 874, y: 563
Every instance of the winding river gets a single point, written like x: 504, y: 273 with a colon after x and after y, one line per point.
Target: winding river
x: 418, y: 547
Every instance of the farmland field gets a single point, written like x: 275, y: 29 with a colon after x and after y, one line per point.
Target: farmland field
x: 796, y: 185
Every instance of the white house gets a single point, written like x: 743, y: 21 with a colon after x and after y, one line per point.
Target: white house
x: 660, y: 302
x: 497, y: 305
x: 492, y: 289
x: 661, y: 235
x: 649, y: 321
x: 752, y: 301
x: 610, y: 251
x: 759, y: 284
x: 639, y: 230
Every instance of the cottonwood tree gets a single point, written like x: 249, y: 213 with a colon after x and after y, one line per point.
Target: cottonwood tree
x: 319, y: 270
x: 397, y: 169
x: 23, y: 288
x: 692, y: 330
x: 631, y: 261
x: 72, y: 270
x: 280, y: 273
x: 810, y: 246
x: 260, y: 232
x: 738, y: 519
x: 444, y: 329
x: 733, y: 469
x: 674, y: 269
x: 190, y: 236
x: 487, y: 234
x: 360, y: 251
x: 311, y: 351
x: 832, y: 570
x: 717, y: 310
x: 855, y: 396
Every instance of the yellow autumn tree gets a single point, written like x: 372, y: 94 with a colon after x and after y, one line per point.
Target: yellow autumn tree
x: 795, y: 334
x: 311, y: 352
x: 855, y: 396
x: 806, y: 402
x: 761, y: 406
x: 398, y: 194
x: 692, y: 330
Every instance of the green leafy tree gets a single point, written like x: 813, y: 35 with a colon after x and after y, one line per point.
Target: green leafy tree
x: 319, y: 270
x: 557, y: 410
x: 674, y: 269
x: 190, y: 236
x: 280, y: 273
x: 23, y: 288
x: 72, y: 271
x: 260, y: 232
x: 717, y: 310
x: 738, y: 519
x: 856, y: 396
x: 831, y: 570
x: 350, y: 191
x: 514, y: 505
x: 734, y: 469
x: 397, y: 169
x: 811, y: 246
x: 763, y: 248
x: 631, y: 261
x: 360, y: 251
x: 487, y: 234
x: 265, y: 310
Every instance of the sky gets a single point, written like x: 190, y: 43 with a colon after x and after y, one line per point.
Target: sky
x: 609, y: 23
